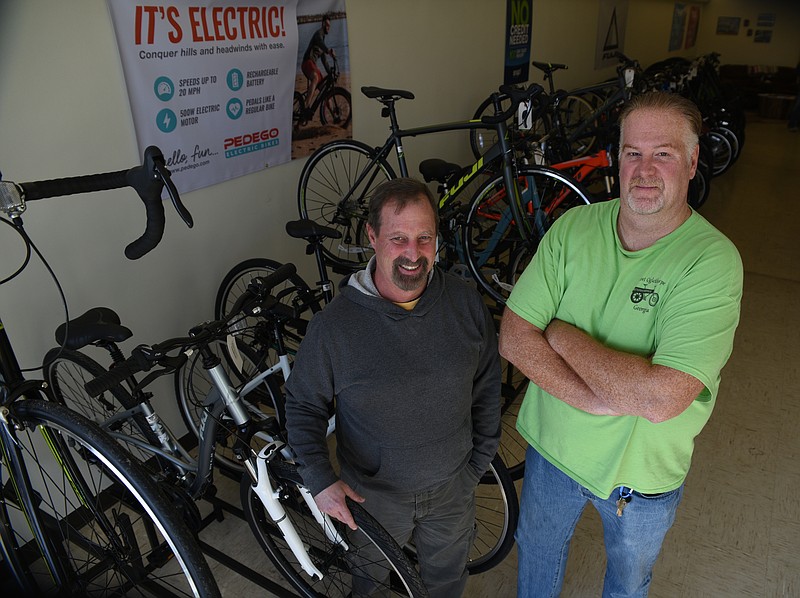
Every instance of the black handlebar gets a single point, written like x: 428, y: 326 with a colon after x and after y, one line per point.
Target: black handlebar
x: 516, y: 95
x: 148, y: 180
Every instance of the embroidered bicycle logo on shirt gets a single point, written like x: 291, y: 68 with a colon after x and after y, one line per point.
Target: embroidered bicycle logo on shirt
x: 639, y: 294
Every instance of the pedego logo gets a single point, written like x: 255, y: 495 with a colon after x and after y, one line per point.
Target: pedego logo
x: 251, y: 142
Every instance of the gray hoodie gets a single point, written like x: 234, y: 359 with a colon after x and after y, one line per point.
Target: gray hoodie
x: 417, y: 393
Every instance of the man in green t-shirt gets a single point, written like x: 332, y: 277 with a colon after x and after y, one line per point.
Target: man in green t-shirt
x: 622, y: 322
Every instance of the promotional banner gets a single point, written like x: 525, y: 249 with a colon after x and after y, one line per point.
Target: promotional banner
x: 519, y: 24
x: 212, y: 83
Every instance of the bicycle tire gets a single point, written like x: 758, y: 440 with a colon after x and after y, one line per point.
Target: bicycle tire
x: 193, y: 384
x: 733, y: 139
x: 496, y: 517
x: 721, y: 151
x: 115, y: 532
x: 336, y: 108
x: 700, y: 184
x: 67, y: 371
x: 699, y: 188
x: 328, y: 175
x: 572, y: 111
x: 512, y: 446
x: 338, y: 566
x: 490, y: 236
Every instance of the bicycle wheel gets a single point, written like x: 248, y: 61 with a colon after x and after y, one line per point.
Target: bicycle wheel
x: 573, y: 111
x: 336, y: 109
x: 513, y: 446
x: 67, y: 371
x: 193, y: 385
x: 368, y: 556
x: 491, y: 236
x: 721, y: 151
x: 733, y: 139
x: 109, y: 528
x: 700, y: 184
x: 338, y: 169
x: 496, y: 517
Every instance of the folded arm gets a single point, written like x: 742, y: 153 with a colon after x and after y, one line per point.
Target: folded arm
x: 610, y: 381
x: 525, y: 346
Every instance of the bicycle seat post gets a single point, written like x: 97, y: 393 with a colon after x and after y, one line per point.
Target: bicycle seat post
x: 325, y: 284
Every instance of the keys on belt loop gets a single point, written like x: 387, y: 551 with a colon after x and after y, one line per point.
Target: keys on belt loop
x: 625, y: 496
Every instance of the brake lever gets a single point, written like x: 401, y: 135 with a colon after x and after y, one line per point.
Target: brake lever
x: 163, y: 175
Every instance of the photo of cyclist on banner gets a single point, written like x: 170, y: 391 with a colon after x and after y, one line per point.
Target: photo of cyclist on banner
x: 321, y: 108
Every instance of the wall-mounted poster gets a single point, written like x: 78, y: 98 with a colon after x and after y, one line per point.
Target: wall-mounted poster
x: 519, y: 25
x: 678, y: 26
x: 691, y: 27
x: 611, y: 24
x: 766, y: 19
x: 213, y: 82
x: 728, y: 25
x: 762, y: 36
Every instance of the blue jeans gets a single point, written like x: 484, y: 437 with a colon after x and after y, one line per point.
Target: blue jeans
x: 551, y: 506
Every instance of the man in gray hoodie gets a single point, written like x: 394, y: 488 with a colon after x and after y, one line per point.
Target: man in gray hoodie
x: 408, y: 356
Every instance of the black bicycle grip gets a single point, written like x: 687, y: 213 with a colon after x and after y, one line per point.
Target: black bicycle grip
x: 73, y: 185
x: 153, y: 231
x: 148, y: 185
x: 113, y: 377
x: 282, y: 274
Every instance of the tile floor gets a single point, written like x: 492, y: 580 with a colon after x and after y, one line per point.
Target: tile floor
x: 738, y: 530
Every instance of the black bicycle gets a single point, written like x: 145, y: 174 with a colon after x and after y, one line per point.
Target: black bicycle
x: 492, y: 213
x: 77, y: 515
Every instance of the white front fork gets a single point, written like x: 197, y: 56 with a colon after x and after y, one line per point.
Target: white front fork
x: 269, y: 498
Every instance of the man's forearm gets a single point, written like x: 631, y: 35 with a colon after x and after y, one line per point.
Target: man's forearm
x: 628, y: 384
x: 526, y: 348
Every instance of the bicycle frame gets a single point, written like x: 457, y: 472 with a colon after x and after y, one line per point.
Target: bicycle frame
x: 500, y: 150
x: 585, y: 166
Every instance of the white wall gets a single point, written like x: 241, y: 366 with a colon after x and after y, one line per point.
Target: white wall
x: 64, y: 111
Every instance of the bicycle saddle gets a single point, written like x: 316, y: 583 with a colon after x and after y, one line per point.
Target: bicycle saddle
x: 385, y: 95
x: 548, y: 67
x: 308, y: 229
x: 438, y: 170
x: 97, y: 324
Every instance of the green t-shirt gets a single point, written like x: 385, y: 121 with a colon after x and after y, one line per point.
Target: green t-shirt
x: 677, y: 301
